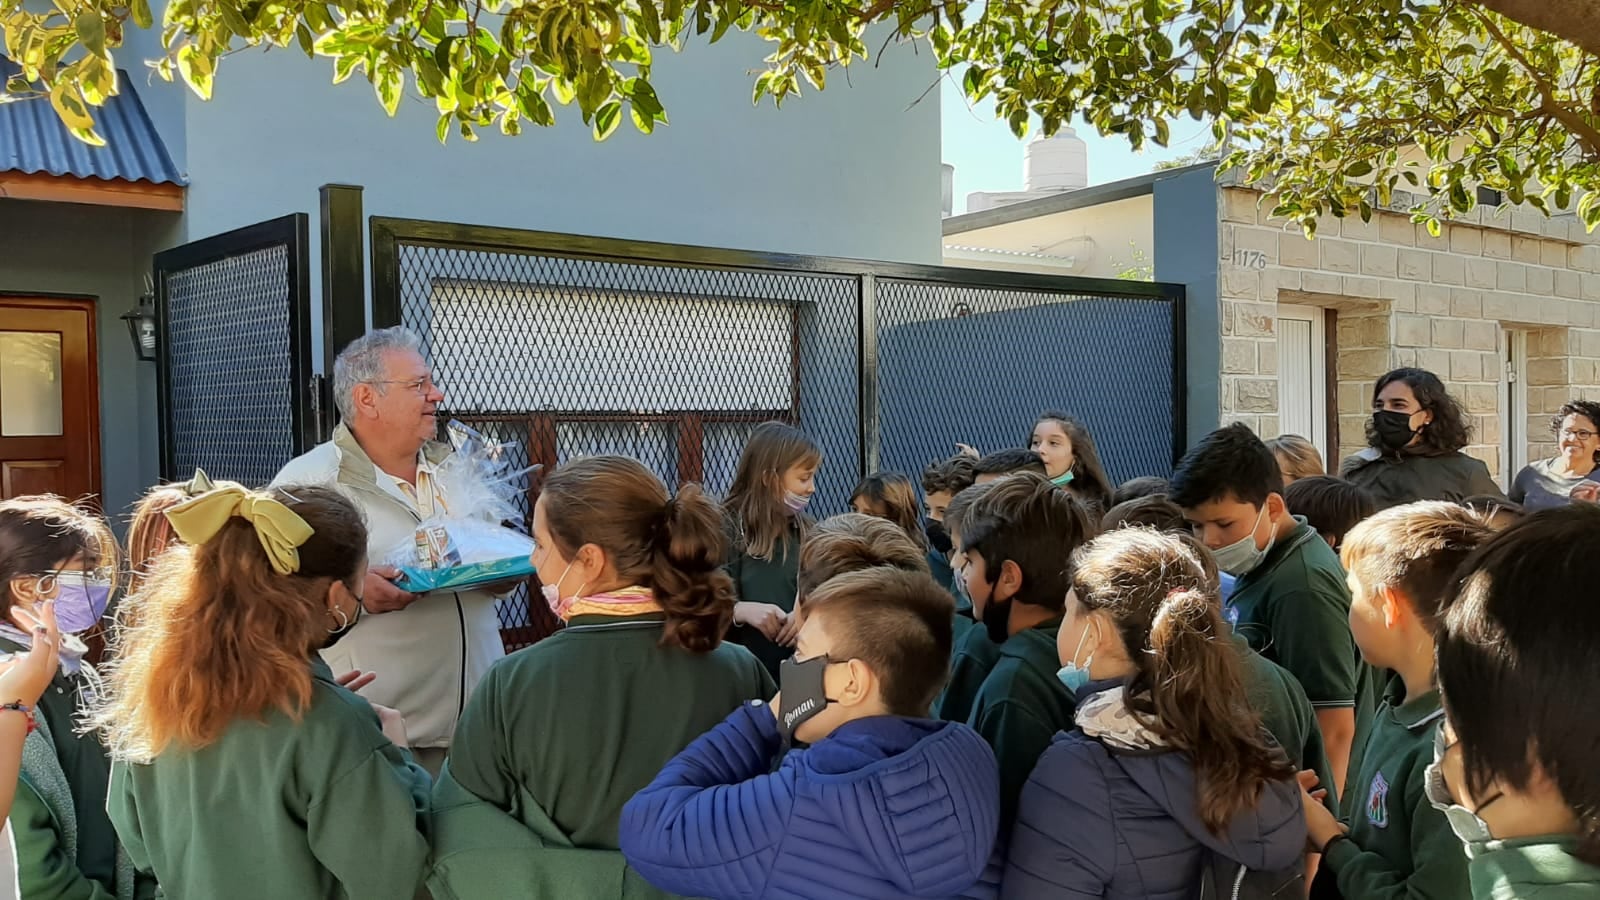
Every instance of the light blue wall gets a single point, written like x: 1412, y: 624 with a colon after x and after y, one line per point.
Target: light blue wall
x: 853, y: 171
x: 848, y: 172
x: 102, y: 253
x: 1187, y: 250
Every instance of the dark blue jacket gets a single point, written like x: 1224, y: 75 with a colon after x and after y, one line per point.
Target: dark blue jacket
x: 883, y: 808
x: 1097, y: 822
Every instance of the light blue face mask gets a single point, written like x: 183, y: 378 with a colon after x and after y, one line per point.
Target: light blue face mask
x: 1062, y: 480
x: 1071, y: 675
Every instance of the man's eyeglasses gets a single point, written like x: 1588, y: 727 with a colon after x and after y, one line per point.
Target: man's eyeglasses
x: 421, y: 386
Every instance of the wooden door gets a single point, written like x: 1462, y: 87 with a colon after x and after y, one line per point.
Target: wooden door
x: 49, y: 398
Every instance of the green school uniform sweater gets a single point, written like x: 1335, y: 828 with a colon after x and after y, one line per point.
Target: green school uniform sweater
x: 774, y: 579
x: 1020, y: 707
x: 972, y: 658
x: 560, y: 735
x: 1294, y: 609
x: 324, y: 806
x: 1399, y: 846
x: 1285, y: 712
x: 52, y: 865
x: 1539, y: 868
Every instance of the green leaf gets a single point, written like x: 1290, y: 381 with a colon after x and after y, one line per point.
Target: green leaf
x: 196, y: 70
x: 69, y: 105
x: 562, y: 90
x: 443, y: 128
x: 232, y: 18
x: 651, y: 20
x: 390, y: 84
x: 303, y: 36
x: 467, y: 134
x: 97, y: 80
x: 344, y: 66
x: 140, y: 10
x: 1263, y: 91
x: 607, y: 118
x: 530, y: 100
x: 92, y: 32
x: 644, y: 123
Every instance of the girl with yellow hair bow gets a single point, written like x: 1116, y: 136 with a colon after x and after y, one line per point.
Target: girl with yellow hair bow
x: 241, y: 767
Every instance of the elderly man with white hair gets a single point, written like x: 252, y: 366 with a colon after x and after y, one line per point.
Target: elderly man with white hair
x: 429, y: 651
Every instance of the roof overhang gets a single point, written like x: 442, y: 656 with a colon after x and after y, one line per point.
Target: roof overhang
x: 41, y: 160
x: 90, y: 191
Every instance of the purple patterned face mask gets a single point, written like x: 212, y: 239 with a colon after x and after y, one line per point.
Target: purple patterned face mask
x: 81, y: 598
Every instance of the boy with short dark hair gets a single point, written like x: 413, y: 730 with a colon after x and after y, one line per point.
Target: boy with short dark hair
x: 941, y: 482
x: 1393, y: 843
x: 1016, y: 543
x: 1290, y: 600
x: 973, y: 655
x: 1515, y: 761
x: 852, y: 813
x: 1332, y: 506
x: 1154, y: 511
x: 1004, y: 463
x: 1136, y: 488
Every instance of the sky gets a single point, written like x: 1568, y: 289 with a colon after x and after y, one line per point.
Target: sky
x: 988, y: 158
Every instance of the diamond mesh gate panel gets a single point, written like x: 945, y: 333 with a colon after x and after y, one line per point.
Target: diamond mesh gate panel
x: 227, y: 339
x: 673, y: 365
x: 977, y: 365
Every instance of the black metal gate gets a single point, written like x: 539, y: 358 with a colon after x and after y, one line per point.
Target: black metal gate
x: 234, y: 314
x: 573, y: 345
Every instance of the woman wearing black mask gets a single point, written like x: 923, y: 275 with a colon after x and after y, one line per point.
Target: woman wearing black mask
x: 1414, y: 443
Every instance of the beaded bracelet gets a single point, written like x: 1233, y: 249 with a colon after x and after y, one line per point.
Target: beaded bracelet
x: 26, y: 710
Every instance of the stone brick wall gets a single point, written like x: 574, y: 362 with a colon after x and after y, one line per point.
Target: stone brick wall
x: 1407, y: 298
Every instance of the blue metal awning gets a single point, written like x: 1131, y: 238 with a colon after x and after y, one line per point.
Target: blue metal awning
x: 33, y: 140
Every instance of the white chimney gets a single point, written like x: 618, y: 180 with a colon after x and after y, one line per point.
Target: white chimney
x: 1056, y: 164
x: 947, y: 189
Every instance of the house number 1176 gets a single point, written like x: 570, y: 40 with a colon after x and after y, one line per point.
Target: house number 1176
x: 1250, y: 259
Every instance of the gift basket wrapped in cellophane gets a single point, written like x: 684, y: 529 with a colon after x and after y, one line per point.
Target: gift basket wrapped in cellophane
x: 472, y: 532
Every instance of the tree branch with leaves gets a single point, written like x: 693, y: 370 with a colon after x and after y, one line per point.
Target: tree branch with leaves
x: 1336, y: 105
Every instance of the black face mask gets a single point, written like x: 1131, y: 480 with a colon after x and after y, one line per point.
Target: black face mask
x: 337, y: 634
x: 997, y: 618
x: 938, y: 537
x: 800, y: 683
x: 1393, y: 429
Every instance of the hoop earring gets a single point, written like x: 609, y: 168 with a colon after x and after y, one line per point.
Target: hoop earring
x: 344, y: 620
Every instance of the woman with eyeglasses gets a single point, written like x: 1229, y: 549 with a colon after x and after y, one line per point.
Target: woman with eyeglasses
x: 66, y: 846
x: 1549, y: 483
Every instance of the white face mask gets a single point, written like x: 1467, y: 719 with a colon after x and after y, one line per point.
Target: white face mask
x: 1468, y: 826
x: 1242, y: 556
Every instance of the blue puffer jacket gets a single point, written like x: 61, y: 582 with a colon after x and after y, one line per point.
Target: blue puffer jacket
x: 1096, y: 822
x: 883, y: 808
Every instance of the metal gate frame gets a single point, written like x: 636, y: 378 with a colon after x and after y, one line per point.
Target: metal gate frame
x: 293, y: 233
x: 387, y: 234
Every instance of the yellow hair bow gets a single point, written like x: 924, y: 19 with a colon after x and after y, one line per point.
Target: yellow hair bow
x: 197, y: 485
x: 279, y: 529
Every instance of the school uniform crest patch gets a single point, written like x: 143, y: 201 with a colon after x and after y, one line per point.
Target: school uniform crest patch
x: 1378, y: 802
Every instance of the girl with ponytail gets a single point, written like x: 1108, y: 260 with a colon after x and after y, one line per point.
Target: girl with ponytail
x: 560, y: 735
x: 1168, y: 769
x: 241, y: 766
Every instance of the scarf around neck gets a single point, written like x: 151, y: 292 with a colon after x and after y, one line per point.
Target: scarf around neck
x: 1106, y: 717
x: 628, y: 601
